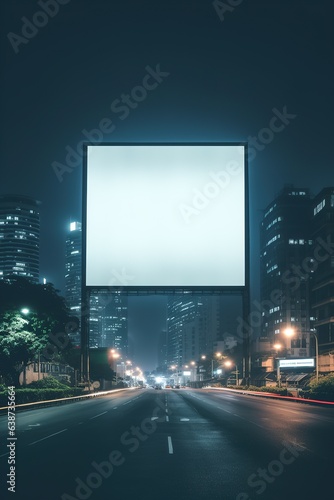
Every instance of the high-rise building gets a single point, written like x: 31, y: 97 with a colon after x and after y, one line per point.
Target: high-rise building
x: 193, y: 327
x: 19, y: 237
x: 286, y: 246
x: 73, y: 260
x: 182, y: 311
x: 107, y: 321
x: 162, y: 351
x: 73, y: 268
x: 323, y: 262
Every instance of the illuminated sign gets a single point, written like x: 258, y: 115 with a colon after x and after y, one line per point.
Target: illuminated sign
x: 165, y: 215
x: 296, y: 363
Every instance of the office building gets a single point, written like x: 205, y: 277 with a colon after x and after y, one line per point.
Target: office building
x: 193, y: 327
x: 322, y: 216
x: 107, y: 322
x: 286, y: 276
x: 19, y: 237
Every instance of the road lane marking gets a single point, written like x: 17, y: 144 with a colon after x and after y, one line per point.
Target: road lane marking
x: 154, y: 418
x: 47, y: 437
x: 167, y: 418
x: 99, y: 415
x: 4, y: 454
x: 184, y: 419
x: 127, y: 402
x: 170, y: 446
x: 115, y: 407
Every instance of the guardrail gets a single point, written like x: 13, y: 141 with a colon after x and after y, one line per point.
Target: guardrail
x: 274, y: 396
x: 71, y: 399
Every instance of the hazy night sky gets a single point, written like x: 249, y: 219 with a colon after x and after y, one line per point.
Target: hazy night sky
x: 225, y: 79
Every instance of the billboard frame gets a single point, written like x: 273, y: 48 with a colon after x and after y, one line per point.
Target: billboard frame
x: 149, y: 290
x: 243, y: 291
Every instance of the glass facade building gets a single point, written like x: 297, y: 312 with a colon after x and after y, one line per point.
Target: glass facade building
x: 19, y: 237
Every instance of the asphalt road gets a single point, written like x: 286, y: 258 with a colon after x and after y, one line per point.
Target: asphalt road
x: 172, y: 444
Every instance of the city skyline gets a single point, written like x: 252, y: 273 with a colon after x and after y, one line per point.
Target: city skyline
x: 259, y: 73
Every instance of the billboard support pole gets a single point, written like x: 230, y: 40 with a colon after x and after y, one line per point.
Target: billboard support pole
x: 246, y: 347
x: 85, y: 292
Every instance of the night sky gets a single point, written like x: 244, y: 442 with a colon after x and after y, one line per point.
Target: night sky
x: 226, y: 77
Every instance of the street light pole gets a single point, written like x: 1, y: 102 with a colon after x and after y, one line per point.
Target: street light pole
x: 316, y: 356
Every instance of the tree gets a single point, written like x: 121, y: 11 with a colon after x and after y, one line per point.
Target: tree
x: 21, y: 338
x: 17, y: 347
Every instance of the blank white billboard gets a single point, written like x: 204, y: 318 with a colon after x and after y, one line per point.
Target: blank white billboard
x: 165, y: 215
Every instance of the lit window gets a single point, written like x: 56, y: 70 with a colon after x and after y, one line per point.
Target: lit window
x: 319, y: 207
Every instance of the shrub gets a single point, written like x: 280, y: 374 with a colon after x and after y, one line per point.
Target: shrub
x: 323, y: 389
x: 32, y: 395
x: 47, y: 383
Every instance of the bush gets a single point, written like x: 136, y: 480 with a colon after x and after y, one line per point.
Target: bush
x: 32, y: 395
x: 275, y: 390
x: 47, y: 383
x: 323, y: 389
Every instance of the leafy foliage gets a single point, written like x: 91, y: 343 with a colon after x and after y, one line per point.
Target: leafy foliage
x: 21, y: 338
x: 47, y: 383
x: 324, y: 389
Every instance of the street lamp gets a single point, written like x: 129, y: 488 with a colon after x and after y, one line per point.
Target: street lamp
x: 278, y: 346
x: 290, y: 331
x: 316, y: 356
x: 229, y: 363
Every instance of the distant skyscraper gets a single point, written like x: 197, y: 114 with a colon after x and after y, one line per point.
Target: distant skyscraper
x: 73, y: 260
x: 323, y: 283
x: 108, y: 310
x: 193, y: 327
x: 286, y: 244
x: 19, y: 237
x: 73, y: 268
x: 162, y: 351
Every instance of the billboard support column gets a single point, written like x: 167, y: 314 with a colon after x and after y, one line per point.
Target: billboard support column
x: 85, y: 310
x: 246, y: 339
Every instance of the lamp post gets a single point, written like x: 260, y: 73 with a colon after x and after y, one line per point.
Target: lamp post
x: 278, y: 347
x: 219, y: 356
x: 316, y: 356
x: 229, y: 364
x: 290, y: 331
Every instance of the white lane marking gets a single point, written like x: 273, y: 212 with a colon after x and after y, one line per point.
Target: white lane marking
x: 170, y: 446
x: 166, y: 410
x: 99, y: 415
x: 47, y: 437
x: 154, y: 418
x: 127, y: 402
x: 4, y: 454
x: 34, y: 425
x: 115, y: 407
x: 167, y: 418
x: 184, y: 419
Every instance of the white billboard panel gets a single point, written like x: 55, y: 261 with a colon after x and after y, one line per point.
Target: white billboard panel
x: 165, y: 215
x: 297, y: 363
